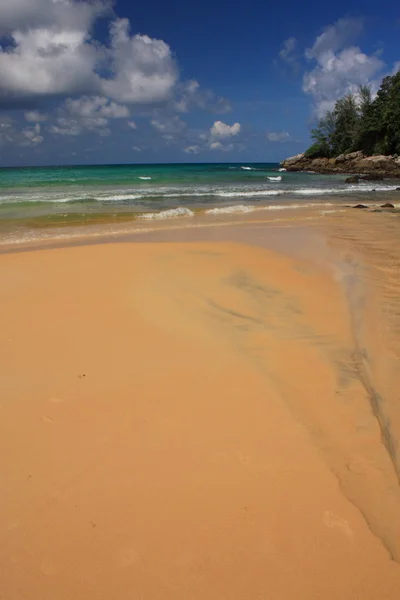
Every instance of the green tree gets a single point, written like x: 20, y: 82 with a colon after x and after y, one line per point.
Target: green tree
x: 359, y: 122
x: 347, y: 122
x: 322, y: 136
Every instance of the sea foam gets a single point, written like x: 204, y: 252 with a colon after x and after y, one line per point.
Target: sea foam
x: 181, y: 211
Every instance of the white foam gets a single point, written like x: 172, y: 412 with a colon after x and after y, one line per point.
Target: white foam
x: 244, y: 208
x: 120, y: 197
x: 282, y: 169
x: 182, y: 211
x: 239, y: 194
x: 290, y: 206
x: 144, y: 177
x: 238, y: 208
x: 248, y: 168
x: 278, y: 178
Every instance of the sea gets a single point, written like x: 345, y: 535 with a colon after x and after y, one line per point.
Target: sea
x: 53, y: 196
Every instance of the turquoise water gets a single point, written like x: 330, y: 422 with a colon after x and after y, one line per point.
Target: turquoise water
x: 40, y: 191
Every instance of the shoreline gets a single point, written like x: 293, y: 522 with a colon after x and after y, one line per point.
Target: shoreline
x: 31, y: 232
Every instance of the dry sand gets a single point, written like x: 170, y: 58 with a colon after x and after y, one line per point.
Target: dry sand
x: 208, y: 419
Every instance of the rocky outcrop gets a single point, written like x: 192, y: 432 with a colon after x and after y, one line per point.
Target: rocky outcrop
x: 373, y: 168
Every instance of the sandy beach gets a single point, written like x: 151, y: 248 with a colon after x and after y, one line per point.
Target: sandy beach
x: 206, y: 413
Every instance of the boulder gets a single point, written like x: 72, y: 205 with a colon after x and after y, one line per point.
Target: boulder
x: 387, y: 205
x: 360, y: 206
x: 353, y: 179
x: 293, y: 160
x: 372, y: 177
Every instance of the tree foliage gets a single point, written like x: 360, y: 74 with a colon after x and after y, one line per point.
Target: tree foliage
x: 359, y: 122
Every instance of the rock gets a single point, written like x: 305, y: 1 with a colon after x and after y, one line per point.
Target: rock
x: 373, y: 168
x: 398, y: 189
x: 292, y: 160
x: 360, y: 206
x: 353, y: 179
x: 387, y: 205
x: 354, y: 155
x: 372, y: 177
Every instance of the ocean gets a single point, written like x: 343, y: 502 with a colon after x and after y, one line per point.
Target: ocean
x: 53, y: 196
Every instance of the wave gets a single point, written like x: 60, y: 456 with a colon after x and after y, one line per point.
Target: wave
x: 247, y: 194
x: 238, y: 208
x: 182, y: 211
x: 278, y: 178
x: 142, y: 177
x: 244, y: 208
x: 282, y: 169
x: 248, y: 169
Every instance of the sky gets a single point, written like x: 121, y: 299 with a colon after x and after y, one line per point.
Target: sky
x: 103, y: 81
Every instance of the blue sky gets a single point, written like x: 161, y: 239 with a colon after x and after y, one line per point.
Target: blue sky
x: 117, y: 82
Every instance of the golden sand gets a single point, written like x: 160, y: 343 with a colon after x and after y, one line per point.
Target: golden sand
x: 203, y: 419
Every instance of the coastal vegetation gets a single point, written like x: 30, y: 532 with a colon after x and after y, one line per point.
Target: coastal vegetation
x: 359, y: 122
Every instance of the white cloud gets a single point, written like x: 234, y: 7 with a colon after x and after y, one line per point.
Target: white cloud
x: 48, y: 52
x: 26, y: 14
x: 192, y: 149
x: 221, y: 130
x: 9, y: 134
x: 172, y: 125
x: 35, y: 116
x: 288, y: 46
x: 189, y: 96
x: 32, y: 134
x: 136, y: 149
x: 278, y: 136
x: 339, y: 70
x: 215, y: 145
x: 45, y: 62
x: 88, y: 113
x: 52, y: 52
x: 96, y: 106
x: 287, y: 53
x: 335, y: 37
x: 143, y: 68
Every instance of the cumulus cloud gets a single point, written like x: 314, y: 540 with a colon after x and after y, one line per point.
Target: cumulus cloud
x: 278, y: 136
x: 143, y: 69
x: 50, y: 57
x: 88, y: 113
x: 10, y: 134
x: 48, y: 50
x: 47, y: 62
x: 23, y: 15
x: 189, y: 96
x: 338, y: 70
x: 32, y: 134
x: 336, y: 36
x: 172, y: 125
x: 35, y: 116
x: 192, y: 149
x: 288, y: 54
x: 221, y: 130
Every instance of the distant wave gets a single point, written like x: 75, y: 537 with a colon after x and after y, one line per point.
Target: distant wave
x: 182, y: 211
x: 282, y: 169
x: 142, y: 177
x: 248, y: 168
x: 278, y: 178
x: 238, y: 208
x: 244, y: 208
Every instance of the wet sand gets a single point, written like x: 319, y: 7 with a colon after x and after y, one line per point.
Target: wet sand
x: 212, y: 413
